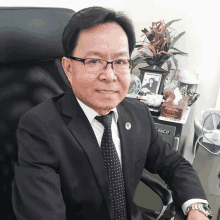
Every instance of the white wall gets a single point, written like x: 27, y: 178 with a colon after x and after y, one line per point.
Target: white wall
x: 200, y: 20
x: 72, y: 4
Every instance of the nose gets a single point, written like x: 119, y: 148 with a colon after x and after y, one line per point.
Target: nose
x: 108, y: 73
x: 107, y: 62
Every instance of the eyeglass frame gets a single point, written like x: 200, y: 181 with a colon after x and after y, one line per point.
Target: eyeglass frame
x: 111, y: 62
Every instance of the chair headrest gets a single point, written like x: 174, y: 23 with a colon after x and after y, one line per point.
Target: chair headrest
x: 32, y: 34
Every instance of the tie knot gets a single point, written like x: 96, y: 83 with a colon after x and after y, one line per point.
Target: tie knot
x: 105, y: 120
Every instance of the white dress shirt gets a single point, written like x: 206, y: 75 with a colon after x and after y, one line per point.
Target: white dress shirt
x: 98, y: 129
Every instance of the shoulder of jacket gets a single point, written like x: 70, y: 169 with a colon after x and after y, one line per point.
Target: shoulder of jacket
x: 42, y: 110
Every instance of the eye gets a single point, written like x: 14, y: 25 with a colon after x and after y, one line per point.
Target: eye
x: 93, y: 61
x: 121, y: 62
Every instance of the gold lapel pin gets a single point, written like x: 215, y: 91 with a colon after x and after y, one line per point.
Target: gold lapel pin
x: 128, y: 125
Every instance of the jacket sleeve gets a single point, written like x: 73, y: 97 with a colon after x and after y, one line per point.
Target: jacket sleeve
x: 36, y: 190
x: 173, y: 168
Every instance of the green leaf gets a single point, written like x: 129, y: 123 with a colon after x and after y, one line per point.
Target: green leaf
x: 145, y: 30
x: 178, y: 53
x: 166, y: 47
x: 169, y: 23
x: 150, y: 61
x: 163, y: 59
x: 175, y: 39
x: 158, y: 26
x: 183, y: 53
x: 169, y: 65
x: 176, y: 64
x: 150, y: 37
x: 143, y: 54
x: 167, y: 33
x: 138, y: 45
x: 136, y: 61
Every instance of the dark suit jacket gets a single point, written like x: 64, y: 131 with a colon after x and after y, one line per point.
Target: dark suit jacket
x: 60, y: 172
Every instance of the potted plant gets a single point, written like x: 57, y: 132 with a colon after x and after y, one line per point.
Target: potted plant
x: 159, y: 41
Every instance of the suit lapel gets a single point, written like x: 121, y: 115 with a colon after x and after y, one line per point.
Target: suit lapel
x: 83, y: 132
x: 127, y: 150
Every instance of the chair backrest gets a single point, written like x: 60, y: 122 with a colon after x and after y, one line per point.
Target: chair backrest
x: 30, y: 72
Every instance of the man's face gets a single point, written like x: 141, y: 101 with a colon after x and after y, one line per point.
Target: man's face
x: 105, y: 89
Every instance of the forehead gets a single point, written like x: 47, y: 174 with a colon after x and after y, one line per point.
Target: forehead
x: 100, y: 54
x: 103, y: 38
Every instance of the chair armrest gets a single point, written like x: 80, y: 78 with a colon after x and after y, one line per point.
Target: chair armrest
x: 180, y: 215
x: 157, y: 187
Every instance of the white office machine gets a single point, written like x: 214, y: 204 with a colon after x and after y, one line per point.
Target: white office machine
x: 210, y: 126
x: 207, y: 157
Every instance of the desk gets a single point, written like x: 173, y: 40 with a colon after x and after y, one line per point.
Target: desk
x: 175, y: 132
x: 179, y: 133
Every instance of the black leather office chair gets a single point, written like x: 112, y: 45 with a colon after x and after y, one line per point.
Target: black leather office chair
x: 31, y: 72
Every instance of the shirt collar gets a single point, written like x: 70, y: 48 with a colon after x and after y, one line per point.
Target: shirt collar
x: 90, y: 113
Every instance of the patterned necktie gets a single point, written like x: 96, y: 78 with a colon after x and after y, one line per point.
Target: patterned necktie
x: 113, y: 167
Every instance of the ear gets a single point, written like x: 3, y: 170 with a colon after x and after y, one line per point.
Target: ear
x: 67, y: 67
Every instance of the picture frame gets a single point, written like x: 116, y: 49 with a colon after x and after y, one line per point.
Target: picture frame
x: 157, y: 77
x: 151, y: 82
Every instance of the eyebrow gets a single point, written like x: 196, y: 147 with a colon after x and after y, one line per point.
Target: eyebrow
x: 102, y: 55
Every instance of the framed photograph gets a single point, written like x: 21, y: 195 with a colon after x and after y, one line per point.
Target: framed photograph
x: 151, y: 82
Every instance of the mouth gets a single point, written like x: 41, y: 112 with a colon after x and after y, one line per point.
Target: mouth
x: 106, y: 91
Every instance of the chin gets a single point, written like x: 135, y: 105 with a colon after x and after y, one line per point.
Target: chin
x: 107, y: 105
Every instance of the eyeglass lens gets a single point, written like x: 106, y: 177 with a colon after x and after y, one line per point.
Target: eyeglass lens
x: 98, y: 64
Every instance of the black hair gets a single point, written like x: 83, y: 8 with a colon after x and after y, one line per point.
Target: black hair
x: 88, y: 17
x: 152, y: 79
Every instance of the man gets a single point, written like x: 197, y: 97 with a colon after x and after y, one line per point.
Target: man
x: 74, y: 165
x: 151, y: 86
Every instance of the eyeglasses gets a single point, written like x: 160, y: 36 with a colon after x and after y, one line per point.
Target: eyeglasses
x: 93, y: 64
